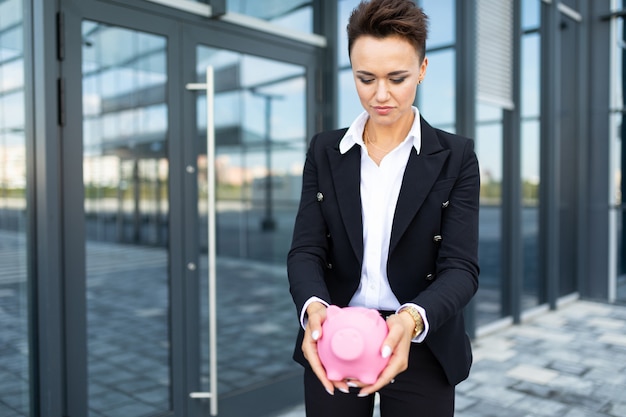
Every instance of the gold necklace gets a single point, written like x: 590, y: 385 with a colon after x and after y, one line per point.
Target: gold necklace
x: 369, y: 141
x: 375, y: 152
x: 373, y: 143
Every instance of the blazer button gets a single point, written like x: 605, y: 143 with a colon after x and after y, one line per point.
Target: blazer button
x: 437, y: 238
x: 330, y: 266
x: 320, y: 196
x: 430, y: 277
x: 446, y: 204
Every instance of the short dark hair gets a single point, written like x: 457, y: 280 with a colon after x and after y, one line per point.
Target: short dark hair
x: 382, y: 18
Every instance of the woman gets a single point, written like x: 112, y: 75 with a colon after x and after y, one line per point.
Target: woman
x: 388, y: 220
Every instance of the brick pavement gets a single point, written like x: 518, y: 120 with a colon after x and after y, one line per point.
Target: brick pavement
x: 568, y: 363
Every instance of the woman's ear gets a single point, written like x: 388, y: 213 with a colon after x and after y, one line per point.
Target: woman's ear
x: 423, y: 67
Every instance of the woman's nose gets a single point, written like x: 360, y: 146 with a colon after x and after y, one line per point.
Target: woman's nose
x: 382, y: 91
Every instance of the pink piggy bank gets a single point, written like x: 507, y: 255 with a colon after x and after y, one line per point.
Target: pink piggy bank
x: 351, y: 342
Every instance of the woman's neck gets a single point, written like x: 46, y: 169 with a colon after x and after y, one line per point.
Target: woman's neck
x: 387, y: 137
x: 380, y: 140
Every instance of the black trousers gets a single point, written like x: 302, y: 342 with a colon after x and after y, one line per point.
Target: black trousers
x: 421, y: 391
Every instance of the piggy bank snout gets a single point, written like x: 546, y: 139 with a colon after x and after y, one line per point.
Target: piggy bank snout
x: 347, y: 344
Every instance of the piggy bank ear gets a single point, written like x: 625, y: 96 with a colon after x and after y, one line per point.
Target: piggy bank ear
x: 372, y: 314
x: 332, y: 310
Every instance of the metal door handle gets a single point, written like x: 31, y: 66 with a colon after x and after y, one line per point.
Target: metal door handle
x: 210, y: 150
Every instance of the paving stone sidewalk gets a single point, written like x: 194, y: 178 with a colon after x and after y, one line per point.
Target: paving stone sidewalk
x: 566, y: 363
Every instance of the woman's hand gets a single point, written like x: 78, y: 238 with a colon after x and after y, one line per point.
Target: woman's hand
x: 397, y: 345
x: 316, y: 314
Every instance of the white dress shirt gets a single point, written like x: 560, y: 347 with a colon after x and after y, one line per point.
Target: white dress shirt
x: 380, y: 188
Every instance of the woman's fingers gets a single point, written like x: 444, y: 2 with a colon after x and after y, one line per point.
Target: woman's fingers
x: 396, y: 346
x: 310, y: 353
x: 316, y: 314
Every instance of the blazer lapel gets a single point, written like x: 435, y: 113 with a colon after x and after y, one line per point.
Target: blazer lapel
x: 346, y: 174
x: 421, y: 173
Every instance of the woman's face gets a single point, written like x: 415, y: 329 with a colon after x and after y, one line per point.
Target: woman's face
x: 386, y: 72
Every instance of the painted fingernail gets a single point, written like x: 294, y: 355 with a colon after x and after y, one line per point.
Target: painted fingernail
x: 361, y: 394
x: 351, y: 384
x: 344, y: 390
x: 386, y: 351
x: 315, y: 335
x: 329, y: 392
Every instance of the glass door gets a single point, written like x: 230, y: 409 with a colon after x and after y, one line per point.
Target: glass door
x: 259, y: 130
x: 14, y: 218
x: 126, y: 207
x: 148, y: 271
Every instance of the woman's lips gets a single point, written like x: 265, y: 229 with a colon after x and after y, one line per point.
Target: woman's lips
x: 382, y: 110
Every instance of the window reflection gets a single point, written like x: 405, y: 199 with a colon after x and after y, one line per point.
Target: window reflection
x: 437, y: 94
x: 344, y: 8
x: 124, y: 128
x: 125, y: 175
x: 441, y: 16
x: 294, y: 15
x: 260, y: 140
x: 14, y: 347
x: 531, y: 14
x: 532, y: 294
x: 349, y: 104
x: 291, y: 14
x: 530, y: 157
x: 489, y: 152
x: 14, y: 353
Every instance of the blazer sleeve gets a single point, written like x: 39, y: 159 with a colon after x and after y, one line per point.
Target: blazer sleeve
x: 307, y: 257
x: 457, y: 260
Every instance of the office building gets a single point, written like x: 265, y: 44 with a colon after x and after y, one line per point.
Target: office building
x: 151, y: 154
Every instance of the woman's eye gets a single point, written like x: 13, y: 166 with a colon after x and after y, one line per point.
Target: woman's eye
x: 397, y: 80
x: 366, y: 80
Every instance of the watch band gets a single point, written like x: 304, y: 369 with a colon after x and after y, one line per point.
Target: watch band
x: 417, y: 318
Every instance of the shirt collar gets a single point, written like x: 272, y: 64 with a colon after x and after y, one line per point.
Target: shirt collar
x: 354, y: 135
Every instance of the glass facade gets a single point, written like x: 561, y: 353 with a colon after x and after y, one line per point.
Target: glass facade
x: 531, y: 154
x: 140, y: 139
x: 14, y: 300
x: 441, y: 17
x: 291, y: 14
x: 439, y: 82
x: 260, y: 139
x: 441, y: 73
x: 349, y: 105
x: 125, y: 174
x: 489, y: 151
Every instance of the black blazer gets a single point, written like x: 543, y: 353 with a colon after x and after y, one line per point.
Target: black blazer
x: 433, y: 260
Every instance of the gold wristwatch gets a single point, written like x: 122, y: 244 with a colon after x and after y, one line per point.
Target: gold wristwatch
x: 417, y: 318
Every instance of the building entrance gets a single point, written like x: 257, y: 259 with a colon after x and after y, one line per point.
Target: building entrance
x: 184, y: 150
